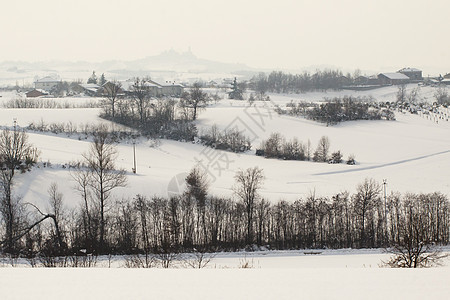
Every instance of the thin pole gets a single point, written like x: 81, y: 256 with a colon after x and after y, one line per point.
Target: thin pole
x: 385, y: 210
x: 134, y: 156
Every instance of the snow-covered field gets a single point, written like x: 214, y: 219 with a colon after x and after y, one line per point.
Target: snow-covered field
x: 224, y: 284
x: 333, y: 274
x: 412, y: 153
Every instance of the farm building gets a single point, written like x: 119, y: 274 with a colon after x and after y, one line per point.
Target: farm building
x: 367, y: 80
x: 169, y: 88
x: 156, y: 89
x: 393, y: 78
x: 91, y: 89
x: 35, y: 93
x: 413, y: 73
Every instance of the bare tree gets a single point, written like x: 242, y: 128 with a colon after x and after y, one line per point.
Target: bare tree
x: 262, y: 212
x: 414, y: 95
x: 194, y: 99
x: 82, y: 177
x: 441, y: 96
x: 164, y: 111
x: 415, y: 247
x: 142, y: 206
x: 197, y: 188
x: 140, y: 261
x: 273, y: 145
x: 217, y: 209
x: 112, y: 90
x: 57, y: 212
x: 401, y: 93
x: 140, y: 91
x: 15, y: 153
x: 308, y: 150
x: 248, y: 183
x: 323, y: 147
x: 104, y: 177
x: 55, y: 202
x: 57, y: 246
x: 261, y: 86
x: 367, y: 194
x: 199, y: 259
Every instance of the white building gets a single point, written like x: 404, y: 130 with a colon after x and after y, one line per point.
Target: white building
x: 156, y: 89
x: 169, y: 88
x: 47, y: 83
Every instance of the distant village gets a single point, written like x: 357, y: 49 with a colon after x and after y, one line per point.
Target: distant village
x: 50, y: 86
x: 403, y: 76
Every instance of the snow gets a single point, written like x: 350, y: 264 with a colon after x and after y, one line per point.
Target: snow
x: 412, y: 153
x: 224, y: 284
x: 383, y: 94
x: 334, y: 274
x: 26, y: 116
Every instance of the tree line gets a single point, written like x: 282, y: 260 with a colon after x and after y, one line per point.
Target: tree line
x: 281, y: 82
x: 277, y: 146
x: 337, y: 110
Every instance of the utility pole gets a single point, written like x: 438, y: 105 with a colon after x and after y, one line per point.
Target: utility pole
x: 134, y: 157
x: 385, y: 211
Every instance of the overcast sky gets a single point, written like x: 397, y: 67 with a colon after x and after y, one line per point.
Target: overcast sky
x: 350, y: 34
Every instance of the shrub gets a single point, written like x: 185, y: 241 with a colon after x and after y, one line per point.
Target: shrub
x: 231, y: 140
x: 351, y: 160
x: 336, y: 157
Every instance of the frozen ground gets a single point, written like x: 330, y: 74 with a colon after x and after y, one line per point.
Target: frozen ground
x: 333, y: 274
x: 385, y: 94
x: 412, y: 153
x: 310, y: 283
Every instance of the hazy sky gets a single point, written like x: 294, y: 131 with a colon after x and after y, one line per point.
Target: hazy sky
x: 365, y: 34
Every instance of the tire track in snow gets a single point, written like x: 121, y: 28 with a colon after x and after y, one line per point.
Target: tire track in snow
x: 383, y: 165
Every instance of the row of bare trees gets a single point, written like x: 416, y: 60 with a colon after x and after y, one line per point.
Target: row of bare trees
x: 197, y: 221
x: 281, y: 82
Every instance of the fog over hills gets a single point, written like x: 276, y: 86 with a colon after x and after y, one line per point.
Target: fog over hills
x: 170, y: 64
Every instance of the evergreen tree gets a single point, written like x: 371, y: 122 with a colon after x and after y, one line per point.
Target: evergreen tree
x: 236, y: 93
x: 102, y: 80
x: 93, y: 78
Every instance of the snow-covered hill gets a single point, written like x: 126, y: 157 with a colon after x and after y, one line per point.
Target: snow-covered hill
x: 412, y: 153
